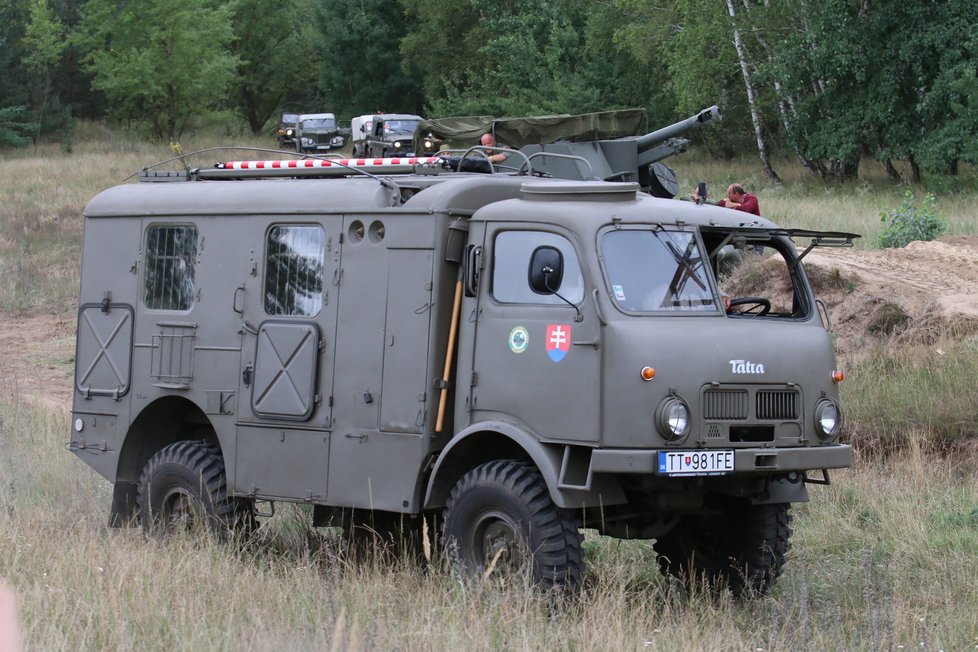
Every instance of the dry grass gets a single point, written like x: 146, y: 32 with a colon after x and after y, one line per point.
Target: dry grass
x: 883, y: 557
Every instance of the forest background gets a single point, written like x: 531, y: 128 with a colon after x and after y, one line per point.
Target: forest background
x: 834, y: 83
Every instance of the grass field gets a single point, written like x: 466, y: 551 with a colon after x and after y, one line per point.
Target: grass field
x: 886, y: 557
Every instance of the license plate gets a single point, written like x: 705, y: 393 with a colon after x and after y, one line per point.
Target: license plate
x: 695, y: 462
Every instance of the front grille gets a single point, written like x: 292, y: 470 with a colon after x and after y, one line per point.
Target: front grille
x: 725, y: 404
x: 777, y: 405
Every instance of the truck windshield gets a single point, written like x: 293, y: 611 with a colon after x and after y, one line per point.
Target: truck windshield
x: 655, y: 270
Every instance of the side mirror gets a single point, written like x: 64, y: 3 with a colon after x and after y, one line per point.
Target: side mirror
x: 546, y: 270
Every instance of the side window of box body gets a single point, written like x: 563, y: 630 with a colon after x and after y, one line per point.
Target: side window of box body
x: 169, y: 269
x: 295, y: 259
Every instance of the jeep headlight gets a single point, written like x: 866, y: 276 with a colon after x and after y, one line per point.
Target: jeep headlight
x: 672, y: 418
x: 288, y: 132
x: 397, y: 144
x: 337, y: 140
x: 306, y: 141
x: 828, y: 419
x: 428, y: 144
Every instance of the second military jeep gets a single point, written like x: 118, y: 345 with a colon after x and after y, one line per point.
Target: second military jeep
x: 385, y: 135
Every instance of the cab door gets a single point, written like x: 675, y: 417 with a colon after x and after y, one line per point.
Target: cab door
x: 288, y: 320
x: 536, y: 355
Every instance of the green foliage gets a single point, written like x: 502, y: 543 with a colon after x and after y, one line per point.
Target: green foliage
x: 14, y: 127
x: 524, y: 58
x: 361, y: 69
x: 912, y: 221
x: 159, y: 62
x: 272, y: 43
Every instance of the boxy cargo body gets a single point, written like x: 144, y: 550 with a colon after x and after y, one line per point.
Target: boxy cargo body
x: 298, y: 330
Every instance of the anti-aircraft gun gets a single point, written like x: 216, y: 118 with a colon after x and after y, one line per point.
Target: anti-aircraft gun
x: 588, y: 146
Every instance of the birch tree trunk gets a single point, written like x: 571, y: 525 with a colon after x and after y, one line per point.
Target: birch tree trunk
x: 751, y: 98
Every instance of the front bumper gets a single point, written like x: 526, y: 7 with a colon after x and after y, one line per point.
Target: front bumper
x: 746, y: 460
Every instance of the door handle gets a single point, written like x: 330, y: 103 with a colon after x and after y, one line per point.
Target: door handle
x: 234, y: 302
x: 592, y: 343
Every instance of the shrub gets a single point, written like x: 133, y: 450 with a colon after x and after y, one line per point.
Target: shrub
x: 912, y: 221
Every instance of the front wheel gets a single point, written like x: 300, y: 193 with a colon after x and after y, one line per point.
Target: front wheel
x: 500, y: 520
x: 742, y: 545
x: 184, y: 487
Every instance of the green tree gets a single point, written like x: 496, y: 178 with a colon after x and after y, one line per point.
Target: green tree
x: 43, y: 43
x: 273, y: 43
x: 14, y: 80
x: 527, y: 57
x: 161, y: 62
x: 14, y: 126
x: 692, y: 41
x: 904, y: 98
x: 362, y: 69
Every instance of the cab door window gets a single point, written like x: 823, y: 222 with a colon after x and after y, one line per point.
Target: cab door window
x: 511, y: 267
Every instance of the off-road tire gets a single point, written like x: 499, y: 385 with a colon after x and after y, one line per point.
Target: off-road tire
x: 509, y: 500
x: 184, y: 485
x: 744, y: 547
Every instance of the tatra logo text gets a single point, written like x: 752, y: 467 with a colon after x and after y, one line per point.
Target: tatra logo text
x: 746, y: 367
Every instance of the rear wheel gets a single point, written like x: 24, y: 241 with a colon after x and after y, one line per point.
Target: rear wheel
x: 184, y: 487
x: 500, y: 520
x: 743, y: 546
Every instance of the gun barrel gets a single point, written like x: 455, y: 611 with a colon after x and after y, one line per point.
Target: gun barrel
x: 652, y: 139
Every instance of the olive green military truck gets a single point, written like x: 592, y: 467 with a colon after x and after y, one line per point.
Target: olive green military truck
x: 513, y: 356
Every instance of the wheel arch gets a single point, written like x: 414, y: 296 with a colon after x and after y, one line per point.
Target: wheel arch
x: 496, y: 440
x: 163, y: 422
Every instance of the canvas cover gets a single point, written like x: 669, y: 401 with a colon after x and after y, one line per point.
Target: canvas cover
x: 533, y: 130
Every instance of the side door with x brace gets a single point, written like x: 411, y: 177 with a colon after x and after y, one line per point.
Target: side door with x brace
x: 288, y: 318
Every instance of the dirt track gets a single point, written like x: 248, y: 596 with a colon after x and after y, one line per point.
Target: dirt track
x: 934, y: 283
x: 918, y: 277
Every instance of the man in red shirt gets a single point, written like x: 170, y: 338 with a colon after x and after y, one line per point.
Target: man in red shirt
x: 740, y: 200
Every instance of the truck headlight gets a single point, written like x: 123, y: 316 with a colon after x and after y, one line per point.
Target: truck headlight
x: 288, y: 132
x: 337, y: 140
x: 397, y: 144
x: 672, y: 418
x: 828, y: 419
x: 306, y: 141
x: 427, y: 144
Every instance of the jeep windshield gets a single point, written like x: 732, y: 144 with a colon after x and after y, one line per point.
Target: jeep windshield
x: 657, y: 270
x: 400, y: 126
x: 319, y: 123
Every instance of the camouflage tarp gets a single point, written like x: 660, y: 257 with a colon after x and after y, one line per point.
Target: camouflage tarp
x: 533, y: 130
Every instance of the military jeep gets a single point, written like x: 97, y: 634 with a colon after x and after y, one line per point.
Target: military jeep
x: 385, y: 135
x: 512, y: 356
x: 285, y: 133
x: 318, y: 132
